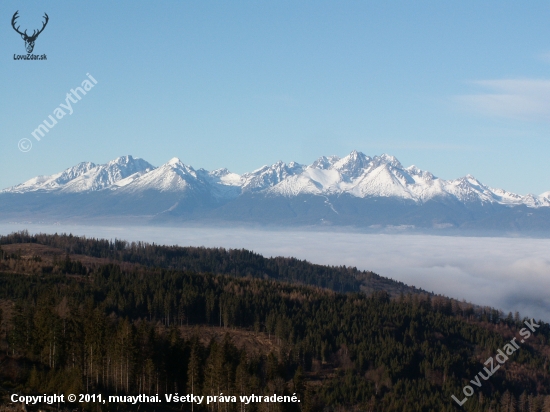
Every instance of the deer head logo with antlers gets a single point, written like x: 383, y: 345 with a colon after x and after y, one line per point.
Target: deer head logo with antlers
x: 29, y: 40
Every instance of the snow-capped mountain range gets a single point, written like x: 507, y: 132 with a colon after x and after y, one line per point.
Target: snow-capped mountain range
x: 358, y: 175
x: 356, y: 190
x: 86, y: 176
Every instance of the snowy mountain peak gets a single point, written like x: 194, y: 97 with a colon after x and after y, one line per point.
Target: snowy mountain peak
x: 86, y: 176
x: 52, y: 182
x: 391, y: 160
x: 355, y: 175
x: 173, y: 176
x: 352, y: 165
x: 122, y: 160
x: 75, y: 171
x: 324, y: 162
x: 269, y: 176
x: 225, y: 177
x: 219, y: 172
x: 415, y: 171
x: 174, y: 162
x: 109, y: 174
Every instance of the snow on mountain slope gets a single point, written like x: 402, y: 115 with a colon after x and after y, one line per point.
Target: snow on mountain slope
x: 53, y: 182
x: 384, y: 176
x: 225, y: 177
x: 382, y: 180
x: 85, y: 177
x: 324, y: 162
x: 356, y: 174
x: 353, y: 165
x: 173, y: 176
x: 268, y: 176
x: 224, y: 184
x: 107, y: 175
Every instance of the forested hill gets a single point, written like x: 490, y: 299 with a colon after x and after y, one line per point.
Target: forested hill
x: 235, y: 262
x: 83, y: 326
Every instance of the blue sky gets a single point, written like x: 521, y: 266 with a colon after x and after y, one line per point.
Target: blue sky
x: 452, y: 87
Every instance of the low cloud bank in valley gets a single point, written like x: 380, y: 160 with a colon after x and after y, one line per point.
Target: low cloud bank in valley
x: 512, y: 274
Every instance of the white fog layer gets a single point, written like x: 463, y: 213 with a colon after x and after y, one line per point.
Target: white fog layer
x: 512, y: 274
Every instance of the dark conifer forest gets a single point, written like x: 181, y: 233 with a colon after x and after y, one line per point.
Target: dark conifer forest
x: 94, y: 316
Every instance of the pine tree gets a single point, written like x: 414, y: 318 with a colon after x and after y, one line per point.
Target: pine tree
x: 505, y: 401
x: 241, y: 379
x: 513, y: 404
x: 523, y: 404
x: 533, y: 404
x: 298, y: 381
x: 193, y: 370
